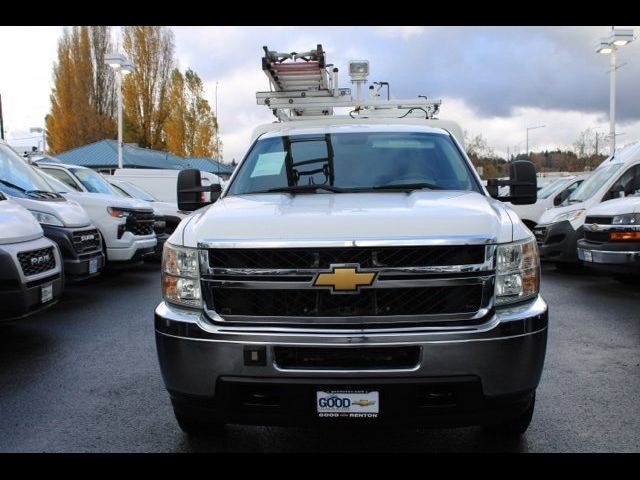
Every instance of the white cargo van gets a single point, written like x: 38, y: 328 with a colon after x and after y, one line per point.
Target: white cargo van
x: 30, y: 264
x: 63, y: 221
x: 162, y: 184
x: 560, y: 228
x: 549, y: 196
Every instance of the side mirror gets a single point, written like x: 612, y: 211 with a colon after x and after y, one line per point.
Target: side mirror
x: 191, y: 192
x: 561, y: 197
x: 522, y: 184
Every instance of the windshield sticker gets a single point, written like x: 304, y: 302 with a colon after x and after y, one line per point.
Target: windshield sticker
x: 269, y: 164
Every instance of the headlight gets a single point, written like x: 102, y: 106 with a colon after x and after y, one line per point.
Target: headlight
x: 47, y: 218
x: 570, y: 216
x: 181, y: 276
x: 517, y: 271
x: 117, y: 212
x: 627, y: 219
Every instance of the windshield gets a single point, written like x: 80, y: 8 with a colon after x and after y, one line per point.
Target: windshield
x: 354, y: 161
x: 55, y: 184
x: 137, y: 192
x: 546, y: 192
x: 15, y: 173
x: 592, y: 184
x: 93, y: 181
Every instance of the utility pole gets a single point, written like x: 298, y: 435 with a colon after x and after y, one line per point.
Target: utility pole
x: 1, y: 120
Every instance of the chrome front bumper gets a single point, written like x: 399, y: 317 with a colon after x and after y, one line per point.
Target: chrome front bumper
x: 608, y: 257
x: 506, y: 353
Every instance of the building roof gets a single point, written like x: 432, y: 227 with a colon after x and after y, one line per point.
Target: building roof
x: 209, y: 165
x: 104, y: 154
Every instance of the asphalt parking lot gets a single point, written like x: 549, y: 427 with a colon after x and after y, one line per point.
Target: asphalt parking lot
x: 83, y: 377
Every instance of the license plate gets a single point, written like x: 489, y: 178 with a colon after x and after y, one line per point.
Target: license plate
x: 588, y: 257
x: 93, y: 265
x: 46, y: 294
x: 348, y: 403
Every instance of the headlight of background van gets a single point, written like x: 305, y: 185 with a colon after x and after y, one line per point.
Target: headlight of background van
x: 47, y: 218
x: 517, y: 272
x: 181, y: 276
x: 570, y: 216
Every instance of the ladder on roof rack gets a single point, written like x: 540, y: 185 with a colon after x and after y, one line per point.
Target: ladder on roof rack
x: 303, y: 87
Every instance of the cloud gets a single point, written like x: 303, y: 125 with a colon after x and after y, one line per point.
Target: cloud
x: 496, y: 78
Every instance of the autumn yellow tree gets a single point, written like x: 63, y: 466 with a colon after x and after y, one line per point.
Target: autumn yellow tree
x: 146, y: 90
x: 192, y: 128
x: 82, y: 99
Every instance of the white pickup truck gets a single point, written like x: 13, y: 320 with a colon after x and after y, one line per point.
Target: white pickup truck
x: 354, y: 271
x: 126, y: 224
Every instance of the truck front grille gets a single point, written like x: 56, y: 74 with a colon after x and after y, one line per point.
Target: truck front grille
x: 597, y: 219
x: 412, y: 286
x: 369, y: 302
x: 140, y: 222
x: 86, y: 241
x: 37, y: 261
x: 366, y: 257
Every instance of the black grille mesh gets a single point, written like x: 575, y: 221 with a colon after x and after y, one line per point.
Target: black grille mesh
x: 322, y: 303
x: 367, y: 257
x: 37, y: 261
x: 597, y: 219
x: 140, y: 223
x: 81, y: 242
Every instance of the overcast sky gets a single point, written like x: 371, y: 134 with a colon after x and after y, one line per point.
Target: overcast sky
x: 492, y: 80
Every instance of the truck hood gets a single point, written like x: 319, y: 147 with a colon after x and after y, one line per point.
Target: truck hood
x: 549, y: 215
x: 348, y: 216
x: 87, y: 199
x: 68, y: 211
x: 18, y: 225
x: 166, y: 209
x: 619, y: 206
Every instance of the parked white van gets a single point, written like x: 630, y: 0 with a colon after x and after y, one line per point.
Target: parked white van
x: 63, y: 221
x: 612, y: 238
x: 31, y: 276
x: 549, y: 196
x: 560, y: 228
x: 162, y: 184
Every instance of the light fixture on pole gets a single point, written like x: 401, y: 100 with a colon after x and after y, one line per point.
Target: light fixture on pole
x: 531, y: 128
x: 42, y: 131
x: 122, y: 66
x: 618, y: 37
x: 358, y: 71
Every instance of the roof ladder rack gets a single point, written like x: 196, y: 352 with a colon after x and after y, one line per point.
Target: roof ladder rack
x: 303, y: 86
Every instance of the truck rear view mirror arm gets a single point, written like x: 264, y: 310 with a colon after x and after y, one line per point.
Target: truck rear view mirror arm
x: 522, y: 184
x: 191, y: 192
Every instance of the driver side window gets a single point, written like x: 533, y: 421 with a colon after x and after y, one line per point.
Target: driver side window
x: 629, y: 183
x: 64, y: 177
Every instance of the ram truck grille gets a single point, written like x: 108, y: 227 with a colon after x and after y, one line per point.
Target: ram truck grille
x: 86, y: 241
x: 37, y: 261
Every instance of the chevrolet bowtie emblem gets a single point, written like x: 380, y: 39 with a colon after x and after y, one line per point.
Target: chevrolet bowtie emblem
x: 344, y: 279
x: 594, y: 227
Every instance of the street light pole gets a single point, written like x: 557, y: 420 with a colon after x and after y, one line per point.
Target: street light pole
x: 121, y: 66
x: 617, y: 38
x: 531, y: 128
x: 612, y: 100
x: 119, y: 88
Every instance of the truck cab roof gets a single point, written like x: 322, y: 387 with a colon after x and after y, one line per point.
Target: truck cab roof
x: 333, y: 124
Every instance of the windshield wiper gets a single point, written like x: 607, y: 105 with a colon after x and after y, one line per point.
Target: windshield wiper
x: 302, y: 189
x: 9, y: 184
x: 407, y: 186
